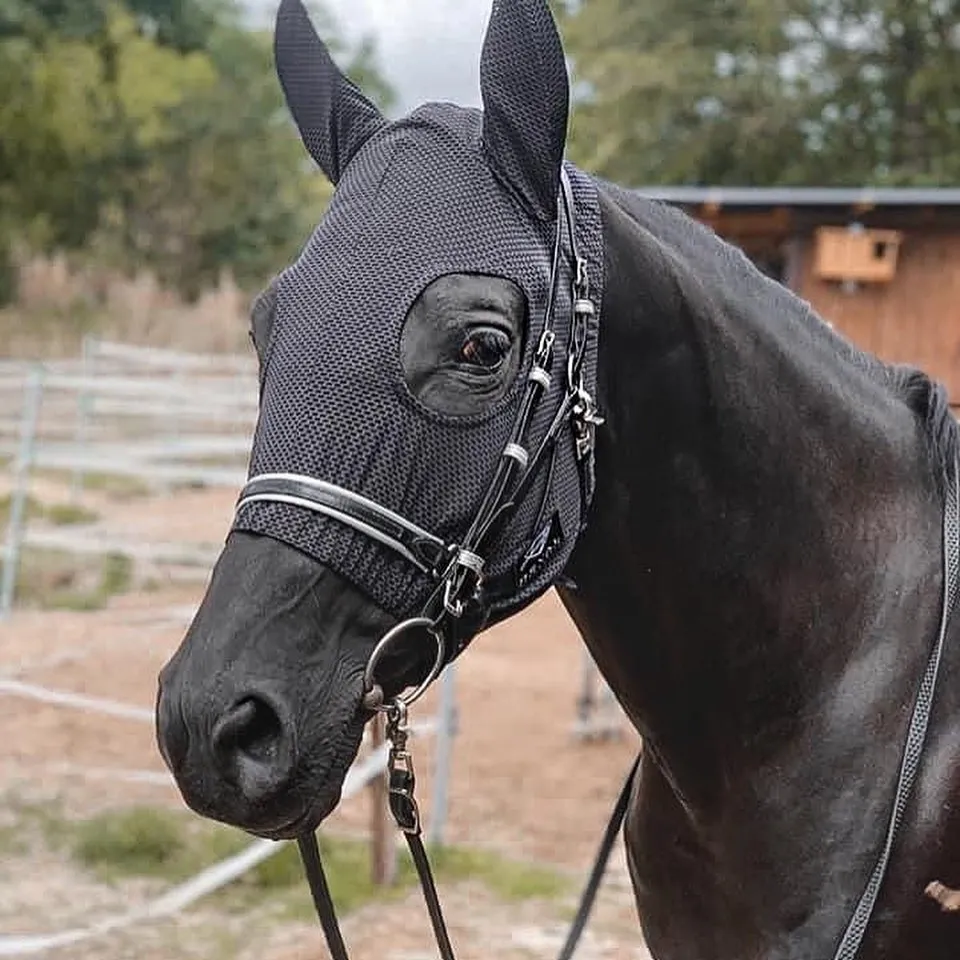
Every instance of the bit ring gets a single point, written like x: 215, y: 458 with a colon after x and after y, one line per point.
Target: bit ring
x: 373, y: 697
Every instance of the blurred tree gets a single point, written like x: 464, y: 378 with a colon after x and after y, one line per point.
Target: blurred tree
x: 226, y: 182
x: 183, y: 25
x: 683, y: 90
x: 154, y: 133
x: 887, y: 79
x: 766, y: 91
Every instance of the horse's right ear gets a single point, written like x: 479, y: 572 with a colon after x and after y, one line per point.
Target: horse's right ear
x: 334, y: 118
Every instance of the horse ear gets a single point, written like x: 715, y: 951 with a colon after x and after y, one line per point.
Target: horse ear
x: 526, y: 100
x: 334, y: 118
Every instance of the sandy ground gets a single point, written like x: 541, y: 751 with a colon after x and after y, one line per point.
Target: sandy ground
x: 520, y: 782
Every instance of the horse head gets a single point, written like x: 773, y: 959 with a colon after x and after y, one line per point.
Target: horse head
x: 407, y: 380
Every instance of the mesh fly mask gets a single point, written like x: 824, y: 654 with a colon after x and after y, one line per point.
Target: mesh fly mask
x: 410, y: 505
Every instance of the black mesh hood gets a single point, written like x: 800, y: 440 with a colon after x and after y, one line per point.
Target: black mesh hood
x: 420, y: 198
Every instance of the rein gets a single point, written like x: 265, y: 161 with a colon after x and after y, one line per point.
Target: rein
x: 403, y: 806
x: 917, y: 732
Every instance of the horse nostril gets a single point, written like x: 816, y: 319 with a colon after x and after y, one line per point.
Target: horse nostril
x: 251, y: 727
x: 252, y: 746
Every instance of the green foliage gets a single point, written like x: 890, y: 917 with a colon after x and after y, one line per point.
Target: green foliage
x: 8, y: 273
x: 763, y: 92
x: 165, y: 844
x: 153, y: 134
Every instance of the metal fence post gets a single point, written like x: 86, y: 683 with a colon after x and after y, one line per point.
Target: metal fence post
x: 84, y: 411
x: 448, y: 729
x: 32, y: 398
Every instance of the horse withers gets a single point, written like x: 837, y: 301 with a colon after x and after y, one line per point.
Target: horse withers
x: 488, y: 369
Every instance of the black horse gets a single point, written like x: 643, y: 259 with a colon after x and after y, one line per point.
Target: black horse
x: 762, y: 577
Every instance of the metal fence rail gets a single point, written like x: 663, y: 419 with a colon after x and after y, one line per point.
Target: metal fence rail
x: 157, y: 417
x: 160, y: 418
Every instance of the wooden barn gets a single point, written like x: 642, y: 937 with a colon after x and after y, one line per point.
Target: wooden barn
x: 882, y: 265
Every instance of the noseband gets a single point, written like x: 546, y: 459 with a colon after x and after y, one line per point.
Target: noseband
x: 461, y: 589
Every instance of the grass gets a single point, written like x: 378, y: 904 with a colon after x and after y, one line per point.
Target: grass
x: 116, y: 485
x: 56, y: 580
x: 169, y: 845
x: 12, y: 841
x: 36, y: 821
x: 59, y: 514
x: 69, y: 514
x: 32, y: 508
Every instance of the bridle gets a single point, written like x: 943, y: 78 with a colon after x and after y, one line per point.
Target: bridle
x: 461, y: 589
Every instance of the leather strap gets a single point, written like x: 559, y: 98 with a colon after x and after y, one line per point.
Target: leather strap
x: 408, y: 820
x: 850, y: 942
x: 420, y: 547
x: 589, y: 895
x: 320, y: 892
x: 430, y: 896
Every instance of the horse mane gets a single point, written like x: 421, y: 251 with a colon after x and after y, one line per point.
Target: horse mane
x: 684, y: 235
x: 928, y: 399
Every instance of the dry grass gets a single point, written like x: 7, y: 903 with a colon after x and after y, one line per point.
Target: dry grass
x: 54, y: 580
x: 59, y: 302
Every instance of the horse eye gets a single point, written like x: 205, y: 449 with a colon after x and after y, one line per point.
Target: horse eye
x: 486, y: 348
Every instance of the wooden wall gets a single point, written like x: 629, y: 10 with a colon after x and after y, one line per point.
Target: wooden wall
x: 915, y: 319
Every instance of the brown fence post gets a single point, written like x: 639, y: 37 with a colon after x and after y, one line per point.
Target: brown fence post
x: 382, y: 848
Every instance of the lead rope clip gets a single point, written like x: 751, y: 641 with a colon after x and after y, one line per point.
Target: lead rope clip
x: 401, y: 779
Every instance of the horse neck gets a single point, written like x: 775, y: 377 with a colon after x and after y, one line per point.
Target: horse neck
x: 766, y: 521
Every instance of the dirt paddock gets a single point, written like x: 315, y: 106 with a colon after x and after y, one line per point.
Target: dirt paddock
x: 520, y: 783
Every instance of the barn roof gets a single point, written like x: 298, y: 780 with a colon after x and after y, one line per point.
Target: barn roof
x: 866, y: 197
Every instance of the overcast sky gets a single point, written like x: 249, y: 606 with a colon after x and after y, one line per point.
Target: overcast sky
x: 429, y: 49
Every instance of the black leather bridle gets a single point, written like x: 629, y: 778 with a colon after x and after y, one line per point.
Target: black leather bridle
x: 462, y: 592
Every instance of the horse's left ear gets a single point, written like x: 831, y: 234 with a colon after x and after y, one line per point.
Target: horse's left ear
x: 334, y: 118
x: 526, y: 101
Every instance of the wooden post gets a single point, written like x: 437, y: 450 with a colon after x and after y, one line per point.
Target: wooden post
x: 382, y: 848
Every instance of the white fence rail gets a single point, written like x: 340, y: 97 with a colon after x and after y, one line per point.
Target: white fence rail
x: 207, y: 881
x: 159, y: 417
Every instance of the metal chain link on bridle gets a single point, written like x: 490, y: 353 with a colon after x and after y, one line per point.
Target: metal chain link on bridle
x: 460, y: 584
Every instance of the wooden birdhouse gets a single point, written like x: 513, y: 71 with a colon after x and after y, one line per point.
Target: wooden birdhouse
x: 856, y: 255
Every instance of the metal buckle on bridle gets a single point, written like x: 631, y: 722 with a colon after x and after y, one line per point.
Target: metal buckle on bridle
x: 584, y: 416
x: 463, y: 580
